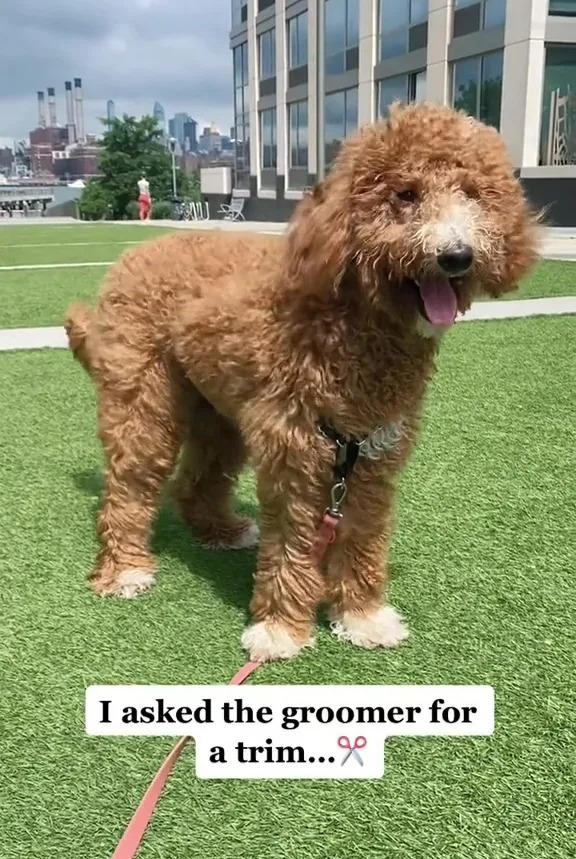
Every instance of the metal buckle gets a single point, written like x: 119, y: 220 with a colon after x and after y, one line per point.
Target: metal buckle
x: 337, y: 496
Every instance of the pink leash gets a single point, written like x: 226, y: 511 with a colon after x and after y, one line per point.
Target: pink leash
x: 134, y: 833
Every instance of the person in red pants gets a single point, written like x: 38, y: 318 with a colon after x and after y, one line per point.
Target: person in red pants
x: 144, y: 199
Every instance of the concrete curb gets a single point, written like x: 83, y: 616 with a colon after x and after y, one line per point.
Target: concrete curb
x: 15, y: 339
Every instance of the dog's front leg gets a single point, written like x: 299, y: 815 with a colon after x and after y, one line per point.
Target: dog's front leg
x: 288, y: 584
x: 357, y: 564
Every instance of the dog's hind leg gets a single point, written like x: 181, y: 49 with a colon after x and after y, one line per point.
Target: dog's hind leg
x: 141, y: 431
x: 212, y: 456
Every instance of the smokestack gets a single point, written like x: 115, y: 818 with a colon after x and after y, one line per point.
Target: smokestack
x: 79, y: 102
x: 52, y: 107
x: 70, y: 124
x: 41, y: 110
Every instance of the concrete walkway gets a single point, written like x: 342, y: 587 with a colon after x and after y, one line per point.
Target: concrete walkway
x: 556, y: 242
x: 55, y: 338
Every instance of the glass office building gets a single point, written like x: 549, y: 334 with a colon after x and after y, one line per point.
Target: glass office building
x: 307, y: 73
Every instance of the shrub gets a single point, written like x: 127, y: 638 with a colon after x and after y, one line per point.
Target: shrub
x: 95, y: 203
x: 162, y: 210
x: 132, y: 211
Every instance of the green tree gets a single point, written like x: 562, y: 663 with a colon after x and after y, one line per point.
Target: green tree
x: 95, y: 202
x: 130, y: 148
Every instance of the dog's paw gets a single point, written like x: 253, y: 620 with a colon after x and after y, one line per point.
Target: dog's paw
x: 266, y: 642
x: 128, y: 584
x: 246, y: 539
x: 383, y: 627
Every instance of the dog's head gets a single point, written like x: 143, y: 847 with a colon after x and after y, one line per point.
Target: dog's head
x: 422, y: 212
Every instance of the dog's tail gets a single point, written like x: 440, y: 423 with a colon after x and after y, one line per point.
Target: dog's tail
x: 77, y: 323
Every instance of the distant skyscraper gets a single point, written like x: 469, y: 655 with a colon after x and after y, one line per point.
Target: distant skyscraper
x: 190, y: 135
x: 184, y: 129
x: 210, y: 140
x: 159, y: 115
x: 110, y: 109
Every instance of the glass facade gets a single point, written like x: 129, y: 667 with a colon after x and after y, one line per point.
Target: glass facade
x: 396, y: 18
x: 298, y: 41
x: 298, y: 134
x: 558, y: 135
x: 341, y: 34
x: 268, y: 141
x: 239, y: 12
x: 340, y: 120
x: 241, y: 117
x: 492, y: 12
x: 562, y: 7
x: 477, y: 86
x: 406, y: 88
x: 267, y: 54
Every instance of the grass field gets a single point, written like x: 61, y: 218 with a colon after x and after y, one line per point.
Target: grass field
x: 482, y: 566
x: 40, y: 297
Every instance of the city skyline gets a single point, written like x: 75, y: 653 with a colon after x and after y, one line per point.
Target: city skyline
x: 106, y: 47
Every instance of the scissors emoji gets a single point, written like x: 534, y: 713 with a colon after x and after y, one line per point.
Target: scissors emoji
x: 359, y: 743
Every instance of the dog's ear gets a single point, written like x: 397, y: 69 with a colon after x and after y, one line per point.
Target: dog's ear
x: 522, y: 246
x: 318, y: 241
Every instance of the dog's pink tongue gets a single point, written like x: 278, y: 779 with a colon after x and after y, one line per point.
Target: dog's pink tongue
x: 439, y: 300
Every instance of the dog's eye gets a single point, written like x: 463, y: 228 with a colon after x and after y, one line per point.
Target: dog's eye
x: 407, y: 195
x: 471, y: 191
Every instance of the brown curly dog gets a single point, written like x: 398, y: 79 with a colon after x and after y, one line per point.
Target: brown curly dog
x: 225, y: 348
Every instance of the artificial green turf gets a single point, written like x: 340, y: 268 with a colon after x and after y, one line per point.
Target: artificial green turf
x: 64, y: 253
x: 81, y: 232
x: 482, y: 566
x: 36, y: 298
x: 548, y: 278
x: 39, y: 297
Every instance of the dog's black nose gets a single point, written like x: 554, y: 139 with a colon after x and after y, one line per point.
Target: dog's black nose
x: 456, y: 260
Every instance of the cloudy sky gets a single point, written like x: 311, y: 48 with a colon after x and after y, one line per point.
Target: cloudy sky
x: 133, y: 51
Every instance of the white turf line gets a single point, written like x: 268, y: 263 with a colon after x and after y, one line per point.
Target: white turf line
x: 68, y: 244
x: 12, y: 339
x: 53, y: 265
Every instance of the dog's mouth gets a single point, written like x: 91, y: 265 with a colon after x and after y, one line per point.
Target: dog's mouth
x: 437, y: 298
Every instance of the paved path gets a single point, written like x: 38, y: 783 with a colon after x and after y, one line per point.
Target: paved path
x: 55, y: 338
x: 556, y: 242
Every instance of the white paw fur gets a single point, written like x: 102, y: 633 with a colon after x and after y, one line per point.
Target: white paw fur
x: 266, y: 642
x: 383, y: 627
x: 132, y: 583
x: 248, y: 539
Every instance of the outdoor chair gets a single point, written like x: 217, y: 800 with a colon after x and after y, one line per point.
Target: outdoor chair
x: 232, y: 211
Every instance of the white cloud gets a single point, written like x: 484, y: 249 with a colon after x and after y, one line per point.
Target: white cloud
x: 135, y: 52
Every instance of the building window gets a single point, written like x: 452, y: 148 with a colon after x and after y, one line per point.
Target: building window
x: 267, y: 54
x: 340, y: 120
x: 405, y: 88
x: 241, y: 118
x: 239, y: 12
x: 396, y: 18
x: 341, y: 34
x: 563, y: 7
x: 558, y: 136
x: 485, y: 15
x: 298, y: 41
x: 268, y: 145
x: 298, y: 139
x: 477, y: 86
